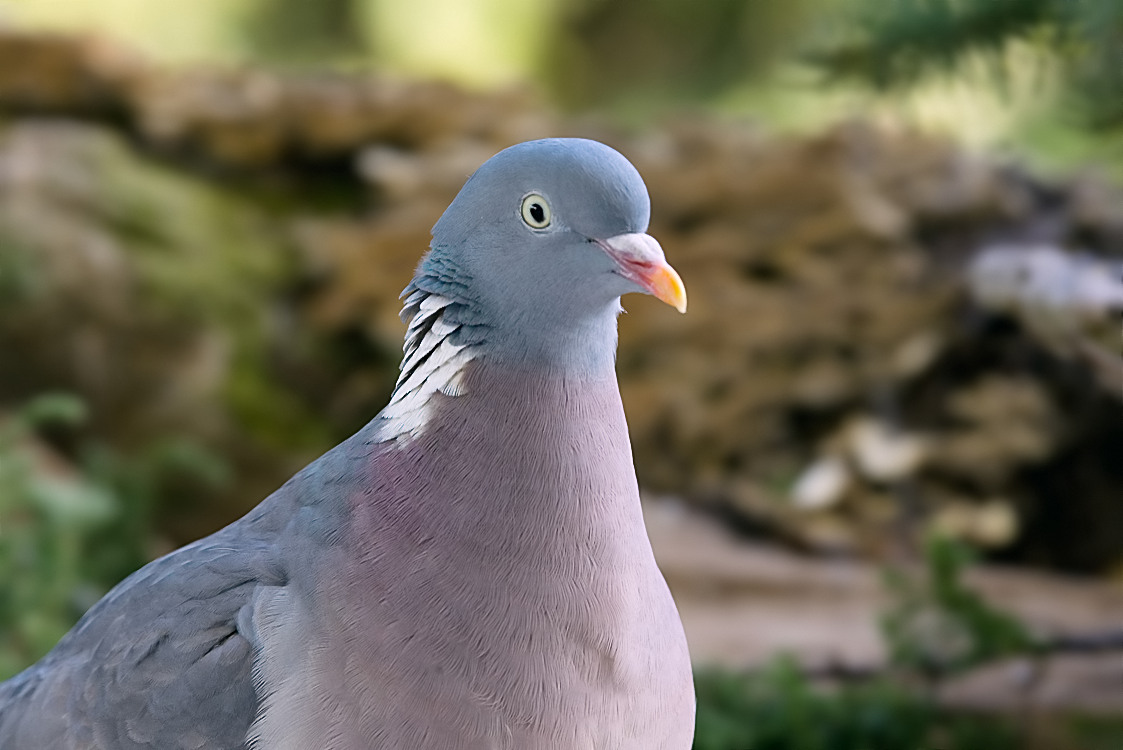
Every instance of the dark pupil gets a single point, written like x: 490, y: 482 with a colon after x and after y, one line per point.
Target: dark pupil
x: 537, y: 212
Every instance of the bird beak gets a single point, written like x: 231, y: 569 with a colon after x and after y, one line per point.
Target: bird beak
x: 640, y: 259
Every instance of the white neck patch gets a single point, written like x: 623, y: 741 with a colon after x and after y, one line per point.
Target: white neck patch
x: 431, y: 364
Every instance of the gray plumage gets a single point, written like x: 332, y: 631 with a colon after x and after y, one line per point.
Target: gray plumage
x: 470, y: 571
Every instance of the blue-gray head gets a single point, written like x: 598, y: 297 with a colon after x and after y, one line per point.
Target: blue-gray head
x: 537, y: 249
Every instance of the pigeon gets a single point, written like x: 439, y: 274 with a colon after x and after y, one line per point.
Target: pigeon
x: 469, y: 571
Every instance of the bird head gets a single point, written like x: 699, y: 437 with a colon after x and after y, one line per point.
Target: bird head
x: 540, y: 244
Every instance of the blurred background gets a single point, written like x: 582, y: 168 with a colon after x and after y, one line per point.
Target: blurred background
x: 883, y: 453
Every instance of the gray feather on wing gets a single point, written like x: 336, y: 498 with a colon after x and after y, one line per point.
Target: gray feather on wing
x: 161, y: 662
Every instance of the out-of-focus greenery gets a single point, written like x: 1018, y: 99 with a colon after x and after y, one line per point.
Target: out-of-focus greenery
x: 47, y: 565
x: 935, y: 627
x: 667, y: 50
x: 582, y: 50
x: 899, y: 43
x: 1041, y: 78
x: 938, y: 625
x: 1097, y: 733
x: 779, y: 709
x: 67, y: 535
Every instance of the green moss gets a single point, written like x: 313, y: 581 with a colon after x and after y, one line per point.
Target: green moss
x: 273, y: 415
x: 203, y: 252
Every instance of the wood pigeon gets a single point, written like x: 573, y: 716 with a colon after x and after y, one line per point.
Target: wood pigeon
x: 470, y: 571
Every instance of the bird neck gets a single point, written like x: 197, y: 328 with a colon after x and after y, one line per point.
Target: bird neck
x: 573, y: 347
x: 447, y: 331
x: 549, y: 458
x: 563, y: 333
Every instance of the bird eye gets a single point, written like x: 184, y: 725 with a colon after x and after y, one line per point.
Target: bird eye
x: 536, y: 211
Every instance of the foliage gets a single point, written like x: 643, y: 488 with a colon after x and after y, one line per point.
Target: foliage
x: 582, y: 51
x: 937, y: 625
x: 67, y: 536
x: 779, y: 709
x: 43, y: 521
x: 629, y: 50
x: 894, y: 44
x: 1097, y: 732
x: 292, y: 30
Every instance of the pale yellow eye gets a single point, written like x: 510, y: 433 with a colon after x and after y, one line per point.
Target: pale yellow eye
x: 536, y: 211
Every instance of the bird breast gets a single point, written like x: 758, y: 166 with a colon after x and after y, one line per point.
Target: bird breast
x: 532, y: 616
